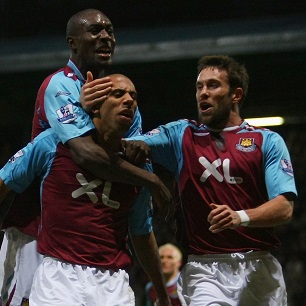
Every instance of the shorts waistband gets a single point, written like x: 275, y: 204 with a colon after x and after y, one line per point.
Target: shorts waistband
x: 47, y: 258
x: 230, y: 256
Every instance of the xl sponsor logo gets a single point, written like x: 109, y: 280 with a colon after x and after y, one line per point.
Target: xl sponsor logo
x: 211, y: 169
x: 87, y: 188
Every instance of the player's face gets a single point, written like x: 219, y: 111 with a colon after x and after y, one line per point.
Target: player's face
x: 117, y: 111
x: 96, y: 42
x: 169, y: 261
x: 213, y: 96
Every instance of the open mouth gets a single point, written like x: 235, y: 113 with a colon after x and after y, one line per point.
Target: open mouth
x: 104, y: 51
x: 129, y: 114
x: 204, y: 106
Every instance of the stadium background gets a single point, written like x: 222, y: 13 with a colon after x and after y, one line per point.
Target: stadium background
x: 158, y: 46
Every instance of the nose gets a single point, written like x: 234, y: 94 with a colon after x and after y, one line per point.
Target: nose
x: 128, y: 100
x: 204, y: 92
x: 105, y: 35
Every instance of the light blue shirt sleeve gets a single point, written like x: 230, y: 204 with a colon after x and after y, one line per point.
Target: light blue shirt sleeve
x: 65, y: 113
x: 165, y: 143
x: 141, y: 212
x: 31, y: 161
x: 136, y: 128
x: 279, y: 174
x: 63, y: 109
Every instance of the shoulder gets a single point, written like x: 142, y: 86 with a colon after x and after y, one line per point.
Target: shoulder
x: 178, y: 125
x: 266, y: 133
x: 257, y: 129
x: 46, y: 139
x: 49, y: 133
x: 187, y: 122
x: 271, y: 140
x: 50, y: 78
x: 61, y: 78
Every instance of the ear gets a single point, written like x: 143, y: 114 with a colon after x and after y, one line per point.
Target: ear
x: 237, y: 95
x: 71, y: 42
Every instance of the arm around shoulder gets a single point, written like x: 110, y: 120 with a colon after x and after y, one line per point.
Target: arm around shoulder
x: 108, y: 166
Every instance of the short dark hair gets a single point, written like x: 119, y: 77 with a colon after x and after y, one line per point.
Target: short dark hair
x: 236, y: 72
x: 75, y: 21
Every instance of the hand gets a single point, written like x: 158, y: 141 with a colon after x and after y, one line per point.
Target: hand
x: 94, y: 92
x: 222, y: 217
x: 161, y: 195
x: 136, y: 151
x: 165, y: 211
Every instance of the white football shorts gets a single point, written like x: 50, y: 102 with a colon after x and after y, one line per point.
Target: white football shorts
x: 60, y: 283
x: 19, y: 260
x: 237, y: 279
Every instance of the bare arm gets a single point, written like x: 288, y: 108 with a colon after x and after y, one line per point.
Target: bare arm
x: 275, y: 212
x: 147, y: 253
x: 272, y: 213
x: 109, y: 166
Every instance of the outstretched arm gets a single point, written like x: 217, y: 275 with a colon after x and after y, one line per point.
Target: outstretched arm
x: 109, y: 166
x: 147, y: 253
x: 272, y: 213
x: 104, y: 164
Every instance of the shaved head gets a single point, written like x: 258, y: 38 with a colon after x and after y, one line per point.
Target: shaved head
x: 76, y: 22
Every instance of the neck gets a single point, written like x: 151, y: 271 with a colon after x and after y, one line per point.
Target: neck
x: 234, y: 117
x: 101, y: 74
x: 170, y: 277
x: 232, y: 120
x: 97, y: 72
x: 235, y: 122
x: 110, y: 140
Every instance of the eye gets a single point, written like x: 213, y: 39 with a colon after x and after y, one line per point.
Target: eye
x: 110, y: 30
x: 213, y: 85
x: 199, y: 86
x: 133, y: 95
x: 94, y: 30
x: 118, y: 93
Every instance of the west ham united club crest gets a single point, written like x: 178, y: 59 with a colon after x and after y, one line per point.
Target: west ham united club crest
x: 246, y: 145
x: 65, y: 114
